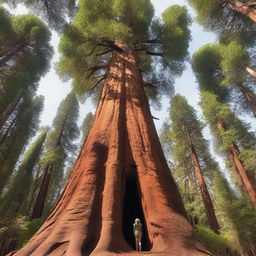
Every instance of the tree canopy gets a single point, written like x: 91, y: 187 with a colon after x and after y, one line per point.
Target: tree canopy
x: 89, y: 41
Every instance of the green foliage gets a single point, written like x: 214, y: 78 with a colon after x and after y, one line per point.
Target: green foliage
x: 215, y: 243
x: 96, y: 33
x: 86, y: 125
x: 15, y: 137
x: 217, y: 16
x: 16, y: 198
x: 238, y: 216
x: 221, y: 69
x: 27, y: 231
x: 55, y: 12
x: 235, y: 130
x: 185, y: 123
x: 59, y: 144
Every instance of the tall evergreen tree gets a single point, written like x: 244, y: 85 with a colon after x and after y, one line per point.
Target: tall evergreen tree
x: 86, y: 125
x: 15, y: 199
x: 190, y: 151
x: 232, y: 15
x: 107, y: 42
x: 55, y: 12
x: 28, y: 35
x: 58, y: 145
x: 239, y: 222
x: 227, y: 65
x: 16, y: 139
x: 22, y: 67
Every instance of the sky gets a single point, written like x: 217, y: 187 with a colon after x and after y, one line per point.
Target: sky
x: 54, y: 89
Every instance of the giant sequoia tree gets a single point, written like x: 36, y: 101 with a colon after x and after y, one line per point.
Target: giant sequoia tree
x: 121, y: 172
x: 232, y: 136
x: 190, y: 152
x: 59, y: 144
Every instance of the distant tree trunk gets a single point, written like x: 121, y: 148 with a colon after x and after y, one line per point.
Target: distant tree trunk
x: 6, y: 132
x: 251, y: 71
x: 248, y: 181
x: 87, y: 220
x: 40, y: 199
x: 248, y: 9
x: 9, y: 110
x: 210, y: 212
x: 250, y: 98
x: 12, y: 53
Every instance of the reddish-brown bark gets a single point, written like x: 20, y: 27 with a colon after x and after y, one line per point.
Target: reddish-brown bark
x: 212, y: 219
x: 122, y: 142
x: 250, y: 98
x: 248, y: 9
x: 9, y: 110
x: 248, y: 181
x: 13, y: 52
x: 40, y: 199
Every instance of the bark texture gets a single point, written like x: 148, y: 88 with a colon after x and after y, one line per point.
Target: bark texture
x: 248, y: 9
x: 238, y: 166
x: 250, y: 98
x: 212, y: 219
x: 87, y: 220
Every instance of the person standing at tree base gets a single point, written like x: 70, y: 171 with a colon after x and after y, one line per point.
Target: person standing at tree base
x: 137, y: 231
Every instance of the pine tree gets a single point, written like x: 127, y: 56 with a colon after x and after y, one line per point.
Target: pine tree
x: 232, y: 15
x: 16, y: 138
x: 231, y: 134
x: 55, y: 12
x: 59, y: 144
x: 22, y: 67
x: 15, y: 199
x: 117, y: 35
x: 190, y: 152
x: 227, y: 65
x: 239, y: 222
x: 28, y: 35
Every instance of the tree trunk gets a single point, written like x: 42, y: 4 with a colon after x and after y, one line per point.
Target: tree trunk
x: 122, y: 144
x: 40, y: 199
x: 250, y: 98
x: 210, y: 212
x: 251, y: 71
x: 248, y: 9
x: 247, y: 180
x: 12, y: 53
x: 9, y: 110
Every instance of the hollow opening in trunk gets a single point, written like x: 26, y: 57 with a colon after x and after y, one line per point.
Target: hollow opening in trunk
x: 132, y: 210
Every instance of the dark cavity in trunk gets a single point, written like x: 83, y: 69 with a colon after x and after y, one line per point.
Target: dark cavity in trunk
x: 133, y: 209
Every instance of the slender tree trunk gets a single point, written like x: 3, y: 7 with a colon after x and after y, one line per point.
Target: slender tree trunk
x: 250, y: 98
x: 6, y: 132
x: 236, y: 161
x: 251, y: 71
x: 12, y: 53
x: 248, y: 9
x: 87, y: 220
x: 210, y: 212
x: 9, y: 110
x: 40, y: 199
